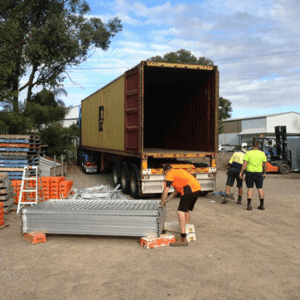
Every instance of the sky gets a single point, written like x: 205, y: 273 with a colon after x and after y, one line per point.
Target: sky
x: 254, y: 43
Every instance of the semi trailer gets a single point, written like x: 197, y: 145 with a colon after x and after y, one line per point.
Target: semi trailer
x: 153, y: 114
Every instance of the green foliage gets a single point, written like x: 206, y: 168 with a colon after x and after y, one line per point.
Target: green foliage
x: 45, y: 37
x: 53, y: 137
x: 182, y: 56
x: 43, y: 109
x: 185, y: 56
x: 58, y: 139
x: 224, y: 111
x: 14, y: 123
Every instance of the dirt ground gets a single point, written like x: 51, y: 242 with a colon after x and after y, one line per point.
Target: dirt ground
x: 237, y: 255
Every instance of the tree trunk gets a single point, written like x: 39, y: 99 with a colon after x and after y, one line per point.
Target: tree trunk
x: 30, y: 83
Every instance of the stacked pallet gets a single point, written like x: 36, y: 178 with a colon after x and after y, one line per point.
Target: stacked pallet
x: 18, y: 151
x: 1, y: 214
x: 53, y: 188
x: 6, y: 193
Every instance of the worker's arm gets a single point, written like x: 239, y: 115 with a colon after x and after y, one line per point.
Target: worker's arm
x: 173, y: 195
x: 244, y: 166
x: 264, y: 170
x: 164, y: 196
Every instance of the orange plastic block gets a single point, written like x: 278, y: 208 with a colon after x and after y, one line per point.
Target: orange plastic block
x: 1, y: 205
x: 1, y: 210
x: 155, y: 242
x: 35, y: 237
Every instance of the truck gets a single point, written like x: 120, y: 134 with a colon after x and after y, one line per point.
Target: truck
x: 283, y: 152
x: 152, y: 115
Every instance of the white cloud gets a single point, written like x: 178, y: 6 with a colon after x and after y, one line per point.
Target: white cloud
x: 254, y: 43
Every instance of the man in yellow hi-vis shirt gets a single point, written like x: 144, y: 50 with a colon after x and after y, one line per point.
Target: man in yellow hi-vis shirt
x: 255, y: 164
x: 234, y: 167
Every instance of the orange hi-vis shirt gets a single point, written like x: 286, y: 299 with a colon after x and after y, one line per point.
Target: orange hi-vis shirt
x: 180, y: 178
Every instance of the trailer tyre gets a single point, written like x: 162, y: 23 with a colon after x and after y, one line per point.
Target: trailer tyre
x: 125, y: 178
x: 134, y: 181
x: 115, y: 172
x: 284, y: 168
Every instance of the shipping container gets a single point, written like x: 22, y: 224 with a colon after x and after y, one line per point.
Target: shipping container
x: 154, y: 114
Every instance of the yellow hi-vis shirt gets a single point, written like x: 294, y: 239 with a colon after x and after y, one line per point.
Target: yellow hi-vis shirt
x: 255, y: 160
x: 237, y: 159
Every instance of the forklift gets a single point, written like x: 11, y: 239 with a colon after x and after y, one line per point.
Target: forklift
x: 283, y: 154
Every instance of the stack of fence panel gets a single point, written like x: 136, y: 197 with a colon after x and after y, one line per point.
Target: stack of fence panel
x: 6, y: 193
x: 18, y: 151
x: 96, y: 217
x: 97, y: 192
x: 60, y: 189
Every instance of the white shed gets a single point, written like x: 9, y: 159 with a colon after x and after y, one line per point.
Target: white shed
x: 243, y: 130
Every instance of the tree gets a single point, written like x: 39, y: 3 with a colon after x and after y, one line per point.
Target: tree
x: 43, y: 38
x: 58, y: 139
x: 185, y: 56
x: 182, y: 56
x: 43, y: 109
x: 225, y: 110
x: 14, y: 123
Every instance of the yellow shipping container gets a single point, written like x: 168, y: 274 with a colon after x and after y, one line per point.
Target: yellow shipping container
x: 111, y: 98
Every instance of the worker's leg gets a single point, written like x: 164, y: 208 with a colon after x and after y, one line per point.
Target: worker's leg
x: 240, y: 186
x: 186, y: 205
x: 187, y: 217
x: 240, y: 196
x: 240, y: 192
x: 249, y: 197
x: 182, y: 220
x: 229, y: 184
x: 227, y: 190
x: 181, y: 213
x: 249, y: 183
x: 261, y: 199
x: 259, y: 186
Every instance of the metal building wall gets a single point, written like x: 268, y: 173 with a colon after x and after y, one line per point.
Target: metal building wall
x: 290, y: 120
x: 112, y: 136
x: 254, y: 123
x: 229, y: 138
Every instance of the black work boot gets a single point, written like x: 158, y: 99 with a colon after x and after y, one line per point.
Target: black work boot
x: 225, y: 199
x: 261, y: 207
x: 239, y: 200
x: 249, y: 207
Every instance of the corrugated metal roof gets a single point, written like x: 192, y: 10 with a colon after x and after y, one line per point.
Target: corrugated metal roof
x: 257, y: 117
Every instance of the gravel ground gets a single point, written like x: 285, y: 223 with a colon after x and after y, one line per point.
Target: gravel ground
x: 237, y: 255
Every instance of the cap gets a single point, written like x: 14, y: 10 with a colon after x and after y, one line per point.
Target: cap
x: 167, y: 167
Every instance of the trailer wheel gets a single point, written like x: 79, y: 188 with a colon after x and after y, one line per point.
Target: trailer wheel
x: 83, y: 168
x: 134, y: 181
x: 284, y: 168
x: 125, y: 178
x: 115, y: 172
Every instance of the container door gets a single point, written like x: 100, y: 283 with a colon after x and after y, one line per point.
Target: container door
x: 132, y: 111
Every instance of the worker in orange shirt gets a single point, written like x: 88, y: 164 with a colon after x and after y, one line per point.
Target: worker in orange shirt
x: 189, y: 188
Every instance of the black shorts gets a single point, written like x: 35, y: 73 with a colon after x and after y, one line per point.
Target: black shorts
x: 254, y: 177
x: 188, y: 200
x: 234, y: 174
